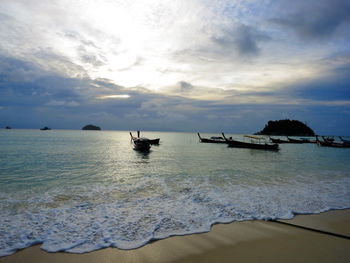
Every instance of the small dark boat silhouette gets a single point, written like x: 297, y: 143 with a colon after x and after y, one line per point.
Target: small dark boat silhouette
x: 151, y: 141
x: 307, y: 140
x: 212, y: 139
x: 140, y: 144
x: 330, y: 143
x: 275, y: 140
x: 154, y: 141
x: 252, y: 145
x: 45, y: 129
x: 345, y: 142
x: 291, y: 140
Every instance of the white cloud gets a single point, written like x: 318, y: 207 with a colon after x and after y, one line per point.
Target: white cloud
x: 120, y: 96
x: 58, y: 103
x: 213, y: 45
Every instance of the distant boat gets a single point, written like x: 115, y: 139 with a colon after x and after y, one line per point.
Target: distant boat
x: 212, y: 139
x: 329, y: 142
x: 307, y: 140
x: 154, y: 141
x: 45, y: 129
x: 328, y: 139
x: 8, y: 128
x: 291, y: 140
x: 346, y: 142
x: 151, y: 141
x: 140, y: 144
x: 275, y: 140
x: 256, y: 143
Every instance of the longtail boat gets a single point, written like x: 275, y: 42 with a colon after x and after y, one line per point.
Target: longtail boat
x: 212, y: 139
x: 254, y: 144
x: 346, y: 142
x: 331, y: 143
x: 275, y: 140
x: 151, y: 141
x: 154, y: 141
x: 140, y: 144
x: 291, y: 140
x: 307, y: 140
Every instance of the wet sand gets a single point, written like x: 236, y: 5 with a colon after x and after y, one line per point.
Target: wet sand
x: 249, y: 241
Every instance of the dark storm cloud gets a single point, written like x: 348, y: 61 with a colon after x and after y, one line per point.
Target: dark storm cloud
x: 182, y: 87
x: 331, y: 86
x: 240, y: 38
x: 234, y: 42
x: 316, y: 19
x: 23, y: 83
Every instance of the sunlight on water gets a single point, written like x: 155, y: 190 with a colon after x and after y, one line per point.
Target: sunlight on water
x: 79, y: 191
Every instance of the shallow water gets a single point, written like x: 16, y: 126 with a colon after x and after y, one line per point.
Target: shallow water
x: 79, y: 191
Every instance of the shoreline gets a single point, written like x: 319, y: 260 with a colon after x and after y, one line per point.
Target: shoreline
x: 247, y: 241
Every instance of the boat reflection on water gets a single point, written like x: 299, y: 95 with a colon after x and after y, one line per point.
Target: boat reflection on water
x: 144, y: 155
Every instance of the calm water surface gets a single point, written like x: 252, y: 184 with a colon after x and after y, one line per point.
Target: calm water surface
x: 79, y: 191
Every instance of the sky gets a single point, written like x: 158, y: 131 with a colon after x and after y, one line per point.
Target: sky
x: 175, y: 65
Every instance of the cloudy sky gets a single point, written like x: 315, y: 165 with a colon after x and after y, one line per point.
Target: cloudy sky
x: 177, y: 65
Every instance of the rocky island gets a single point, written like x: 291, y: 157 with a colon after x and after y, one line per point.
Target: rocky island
x: 91, y: 127
x: 286, y: 128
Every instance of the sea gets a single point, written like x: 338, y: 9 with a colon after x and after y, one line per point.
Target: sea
x: 79, y: 191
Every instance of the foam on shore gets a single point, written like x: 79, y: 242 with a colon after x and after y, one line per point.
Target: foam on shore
x: 128, y: 216
x: 271, y: 242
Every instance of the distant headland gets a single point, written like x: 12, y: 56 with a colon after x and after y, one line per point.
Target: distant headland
x: 91, y: 127
x: 287, y: 128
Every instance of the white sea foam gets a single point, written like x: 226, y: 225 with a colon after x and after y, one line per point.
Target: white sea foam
x: 79, y: 220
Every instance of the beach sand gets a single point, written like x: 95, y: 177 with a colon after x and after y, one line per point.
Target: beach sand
x: 249, y: 241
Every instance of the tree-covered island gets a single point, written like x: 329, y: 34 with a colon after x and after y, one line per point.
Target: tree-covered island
x: 91, y: 127
x: 287, y: 128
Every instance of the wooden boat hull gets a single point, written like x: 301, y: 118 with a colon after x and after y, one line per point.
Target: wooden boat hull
x: 205, y: 140
x: 250, y: 145
x: 345, y: 142
x: 329, y: 142
x: 308, y: 141
x: 141, y: 145
x: 154, y: 141
x: 294, y: 140
x: 332, y: 144
x: 274, y: 140
x: 265, y: 146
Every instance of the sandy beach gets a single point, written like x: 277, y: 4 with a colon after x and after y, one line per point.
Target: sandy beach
x: 306, y: 238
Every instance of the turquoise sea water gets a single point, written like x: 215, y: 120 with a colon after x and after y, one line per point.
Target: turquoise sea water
x: 79, y: 191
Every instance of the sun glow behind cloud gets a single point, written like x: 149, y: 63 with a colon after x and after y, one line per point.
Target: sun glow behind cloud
x: 123, y: 96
